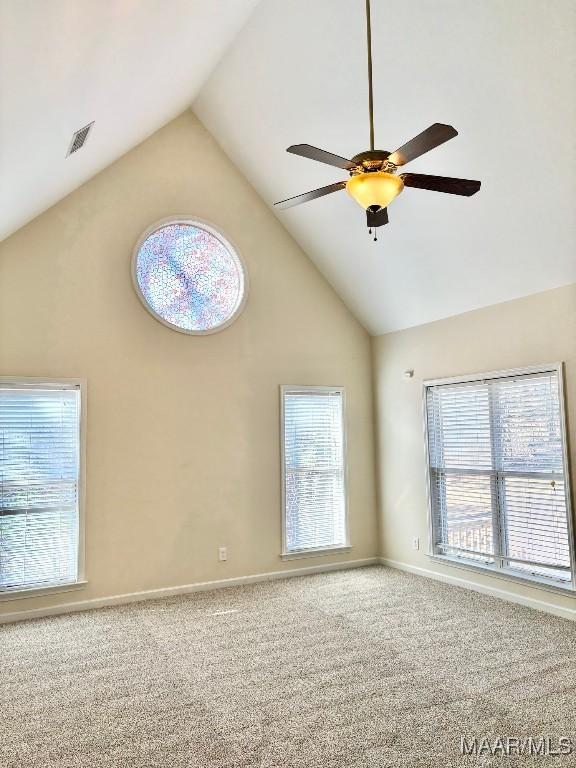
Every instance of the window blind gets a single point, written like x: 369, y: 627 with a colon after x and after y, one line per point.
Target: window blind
x: 39, y: 468
x: 314, y: 472
x: 497, y: 485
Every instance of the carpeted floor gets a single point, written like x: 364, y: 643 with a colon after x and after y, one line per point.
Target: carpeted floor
x: 368, y: 668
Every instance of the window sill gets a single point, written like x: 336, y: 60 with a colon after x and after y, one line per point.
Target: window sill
x: 315, y: 552
x: 526, y: 580
x: 19, y: 594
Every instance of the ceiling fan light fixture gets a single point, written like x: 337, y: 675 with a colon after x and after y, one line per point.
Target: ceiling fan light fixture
x: 376, y: 188
x: 374, y: 183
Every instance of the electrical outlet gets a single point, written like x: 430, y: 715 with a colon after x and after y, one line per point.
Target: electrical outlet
x: 222, y: 554
x: 416, y: 542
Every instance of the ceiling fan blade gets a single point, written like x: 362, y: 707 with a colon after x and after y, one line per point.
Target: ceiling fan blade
x: 465, y: 187
x: 303, y: 198
x: 429, y: 139
x: 377, y: 218
x: 313, y: 153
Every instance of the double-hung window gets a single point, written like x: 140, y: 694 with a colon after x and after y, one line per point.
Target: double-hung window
x: 39, y: 485
x: 499, y: 488
x: 314, y: 476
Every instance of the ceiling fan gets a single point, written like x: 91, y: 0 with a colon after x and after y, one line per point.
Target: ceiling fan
x: 373, y: 181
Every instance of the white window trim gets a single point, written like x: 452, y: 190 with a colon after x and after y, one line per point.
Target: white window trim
x: 486, y: 568
x: 305, y: 553
x: 34, y: 382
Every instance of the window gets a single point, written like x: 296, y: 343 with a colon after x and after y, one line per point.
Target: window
x: 313, y: 458
x: 39, y: 485
x: 499, y: 493
x: 189, y: 277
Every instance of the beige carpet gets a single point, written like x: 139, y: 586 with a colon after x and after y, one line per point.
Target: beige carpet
x: 362, y: 668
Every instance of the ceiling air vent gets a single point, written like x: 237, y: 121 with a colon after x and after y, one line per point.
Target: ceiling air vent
x: 79, y: 139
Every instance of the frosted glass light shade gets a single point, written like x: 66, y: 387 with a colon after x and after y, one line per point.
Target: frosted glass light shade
x: 377, y: 188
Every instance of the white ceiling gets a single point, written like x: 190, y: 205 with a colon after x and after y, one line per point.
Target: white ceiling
x: 130, y: 65
x: 503, y: 72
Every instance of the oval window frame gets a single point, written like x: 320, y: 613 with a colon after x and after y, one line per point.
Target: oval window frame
x: 192, y: 221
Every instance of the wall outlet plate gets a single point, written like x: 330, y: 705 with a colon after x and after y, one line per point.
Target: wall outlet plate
x: 222, y: 554
x: 416, y: 542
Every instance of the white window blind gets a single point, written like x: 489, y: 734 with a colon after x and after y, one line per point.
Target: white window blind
x: 314, y: 469
x: 497, y: 485
x: 39, y: 470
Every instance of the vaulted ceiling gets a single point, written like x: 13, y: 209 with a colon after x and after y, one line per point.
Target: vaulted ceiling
x: 503, y: 72
x: 130, y: 65
x: 264, y: 75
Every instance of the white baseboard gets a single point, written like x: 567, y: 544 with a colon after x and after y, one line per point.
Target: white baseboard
x: 184, y: 589
x: 502, y: 594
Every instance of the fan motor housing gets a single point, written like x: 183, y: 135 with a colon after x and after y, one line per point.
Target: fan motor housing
x: 372, y: 160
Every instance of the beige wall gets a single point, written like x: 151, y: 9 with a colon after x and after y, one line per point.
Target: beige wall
x: 530, y: 331
x: 183, y: 431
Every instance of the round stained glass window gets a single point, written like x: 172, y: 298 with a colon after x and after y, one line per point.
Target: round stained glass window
x: 189, y: 277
